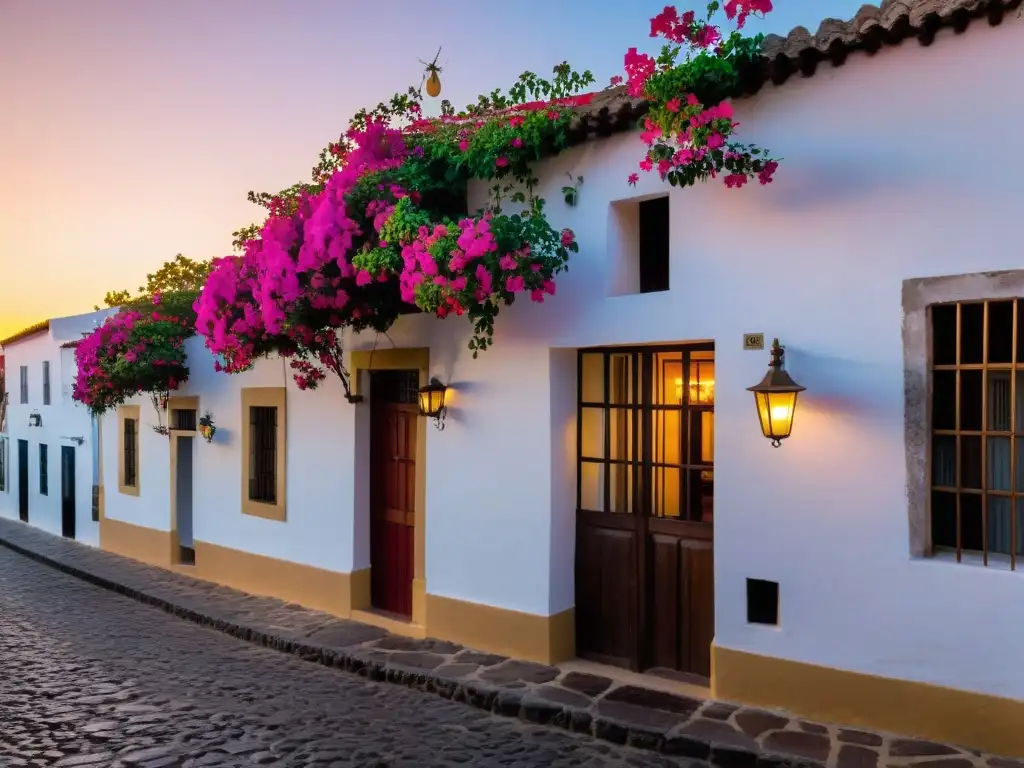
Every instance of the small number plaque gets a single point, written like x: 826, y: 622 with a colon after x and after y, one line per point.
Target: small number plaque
x: 753, y: 341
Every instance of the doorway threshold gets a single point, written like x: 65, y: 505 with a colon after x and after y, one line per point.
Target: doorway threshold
x: 668, y: 681
x: 392, y: 622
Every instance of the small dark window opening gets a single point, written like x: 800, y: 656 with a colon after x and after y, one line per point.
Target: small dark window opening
x: 24, y: 384
x: 44, y: 480
x: 130, y: 453
x: 46, y: 382
x: 762, y: 602
x: 654, y: 245
x: 263, y: 454
x: 184, y: 419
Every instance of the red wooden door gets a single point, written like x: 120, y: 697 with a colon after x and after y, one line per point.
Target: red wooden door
x: 394, y: 419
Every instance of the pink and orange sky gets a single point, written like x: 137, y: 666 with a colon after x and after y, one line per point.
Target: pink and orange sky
x: 131, y: 130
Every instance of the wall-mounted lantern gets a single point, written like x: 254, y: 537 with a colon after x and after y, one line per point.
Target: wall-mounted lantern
x: 35, y: 419
x: 775, y: 398
x: 76, y: 440
x: 431, y: 400
x: 207, y: 429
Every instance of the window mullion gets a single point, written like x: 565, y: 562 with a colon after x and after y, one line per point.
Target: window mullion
x: 1013, y: 441
x: 984, y: 433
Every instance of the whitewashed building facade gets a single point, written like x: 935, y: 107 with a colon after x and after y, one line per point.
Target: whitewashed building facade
x: 602, y: 486
x: 48, y: 445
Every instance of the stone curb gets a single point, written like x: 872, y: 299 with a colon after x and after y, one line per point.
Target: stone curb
x: 493, y: 699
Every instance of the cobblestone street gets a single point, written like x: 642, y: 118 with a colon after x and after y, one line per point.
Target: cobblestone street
x: 90, y: 678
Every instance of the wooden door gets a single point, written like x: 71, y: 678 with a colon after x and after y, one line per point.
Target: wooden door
x: 67, y: 491
x: 645, y: 536
x: 394, y: 417
x: 23, y: 480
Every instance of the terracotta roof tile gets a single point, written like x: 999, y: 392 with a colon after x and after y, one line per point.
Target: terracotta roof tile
x: 873, y: 27
x: 24, y: 333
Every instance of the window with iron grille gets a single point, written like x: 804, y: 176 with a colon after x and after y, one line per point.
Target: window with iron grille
x: 44, y: 479
x: 46, y: 382
x: 263, y: 454
x: 977, y: 405
x: 131, y: 454
x: 23, y: 371
x: 184, y: 419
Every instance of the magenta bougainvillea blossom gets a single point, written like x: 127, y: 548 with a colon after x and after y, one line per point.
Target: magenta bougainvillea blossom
x: 383, y: 228
x: 689, y: 126
x: 138, y: 350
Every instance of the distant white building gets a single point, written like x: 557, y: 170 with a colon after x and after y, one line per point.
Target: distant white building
x: 48, y: 445
x: 603, y: 487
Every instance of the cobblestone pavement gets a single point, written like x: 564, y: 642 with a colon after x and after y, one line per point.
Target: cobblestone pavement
x: 90, y: 678
x: 582, y: 704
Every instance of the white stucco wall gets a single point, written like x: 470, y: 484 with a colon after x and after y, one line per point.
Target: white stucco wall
x: 319, y: 476
x: 877, y: 185
x: 61, y: 420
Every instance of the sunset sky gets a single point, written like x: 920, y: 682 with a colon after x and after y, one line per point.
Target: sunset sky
x: 131, y: 130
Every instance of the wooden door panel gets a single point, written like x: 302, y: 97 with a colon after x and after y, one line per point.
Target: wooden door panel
x: 666, y: 600
x: 681, y: 598
x: 606, y: 588
x: 392, y: 504
x: 698, y: 573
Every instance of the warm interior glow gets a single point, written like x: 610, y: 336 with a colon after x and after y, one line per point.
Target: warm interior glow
x: 431, y: 401
x: 701, y: 392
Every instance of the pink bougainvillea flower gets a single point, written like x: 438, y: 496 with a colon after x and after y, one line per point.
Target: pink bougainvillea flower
x: 633, y: 179
x: 568, y: 237
x: 673, y: 105
x: 766, y: 173
x: 639, y: 68
x: 501, y: 161
x: 517, y: 142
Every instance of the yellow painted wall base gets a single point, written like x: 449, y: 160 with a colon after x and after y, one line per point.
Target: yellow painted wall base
x: 317, y: 588
x: 546, y: 639
x: 136, y: 541
x: 988, y: 723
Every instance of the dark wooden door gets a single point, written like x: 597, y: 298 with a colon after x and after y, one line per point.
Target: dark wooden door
x: 23, y: 480
x: 645, y: 531
x: 394, y: 417
x: 67, y: 491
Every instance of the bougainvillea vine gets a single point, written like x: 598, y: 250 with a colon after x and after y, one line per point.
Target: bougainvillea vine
x: 384, y: 227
